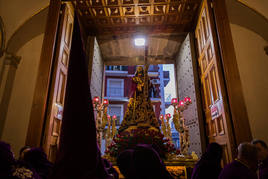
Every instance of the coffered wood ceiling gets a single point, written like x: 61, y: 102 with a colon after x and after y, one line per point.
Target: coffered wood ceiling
x: 131, y: 16
x: 164, y: 24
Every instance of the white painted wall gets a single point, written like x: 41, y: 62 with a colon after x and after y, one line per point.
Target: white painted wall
x: 261, y: 6
x: 18, y: 116
x: 252, y: 64
x: 16, y: 12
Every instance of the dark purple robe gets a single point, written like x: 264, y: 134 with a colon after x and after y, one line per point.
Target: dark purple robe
x: 206, y: 168
x: 142, y: 162
x: 209, y: 166
x: 10, y: 169
x: 263, y: 169
x: 237, y: 170
x: 124, y: 162
x: 37, y: 159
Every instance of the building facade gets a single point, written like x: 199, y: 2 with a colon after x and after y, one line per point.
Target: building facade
x: 118, y: 89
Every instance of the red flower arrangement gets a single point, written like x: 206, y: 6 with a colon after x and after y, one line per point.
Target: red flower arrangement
x: 129, y: 139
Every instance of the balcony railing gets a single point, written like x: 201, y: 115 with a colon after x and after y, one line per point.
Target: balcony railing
x: 117, y: 68
x: 119, y: 92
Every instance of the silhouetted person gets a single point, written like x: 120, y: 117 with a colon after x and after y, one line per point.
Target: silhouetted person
x: 23, y: 150
x: 10, y: 169
x: 143, y: 162
x: 124, y: 162
x: 262, y: 157
x: 244, y: 166
x: 209, y: 166
x: 7, y: 160
x: 110, y: 169
x: 37, y: 159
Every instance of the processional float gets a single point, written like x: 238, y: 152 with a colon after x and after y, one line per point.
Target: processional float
x: 140, y: 125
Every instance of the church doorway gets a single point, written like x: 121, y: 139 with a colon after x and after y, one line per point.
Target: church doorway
x: 178, y: 32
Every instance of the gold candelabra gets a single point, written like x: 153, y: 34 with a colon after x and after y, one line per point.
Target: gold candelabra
x: 179, y: 122
x: 111, y: 130
x: 167, y: 117
x: 108, y: 133
x: 165, y: 125
x: 101, y: 117
x: 114, y: 118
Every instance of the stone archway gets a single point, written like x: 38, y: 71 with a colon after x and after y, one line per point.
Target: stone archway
x: 29, y: 30
x: 244, y: 16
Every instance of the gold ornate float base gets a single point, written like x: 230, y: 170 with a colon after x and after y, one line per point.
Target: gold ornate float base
x: 179, y: 169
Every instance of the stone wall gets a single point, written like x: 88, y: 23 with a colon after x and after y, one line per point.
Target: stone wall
x: 186, y: 87
x: 252, y: 65
x: 96, y: 72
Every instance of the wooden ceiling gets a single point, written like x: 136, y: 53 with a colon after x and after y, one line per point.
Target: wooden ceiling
x: 162, y: 49
x: 137, y: 16
x: 164, y: 24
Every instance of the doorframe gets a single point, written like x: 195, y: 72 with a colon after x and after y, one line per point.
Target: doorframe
x: 41, y: 93
x: 236, y: 102
x: 239, y: 118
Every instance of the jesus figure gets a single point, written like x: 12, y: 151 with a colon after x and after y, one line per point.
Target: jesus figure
x: 139, y: 111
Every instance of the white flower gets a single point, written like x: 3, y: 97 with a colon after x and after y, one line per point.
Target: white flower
x: 23, y: 173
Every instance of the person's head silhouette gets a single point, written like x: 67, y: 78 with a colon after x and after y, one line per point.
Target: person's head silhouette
x: 142, y: 162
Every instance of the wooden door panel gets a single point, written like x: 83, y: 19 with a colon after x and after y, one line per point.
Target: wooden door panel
x: 204, y: 63
x: 220, y: 126
x: 214, y: 84
x: 65, y: 57
x: 209, y: 52
x: 212, y: 81
x: 207, y: 92
x: 61, y: 87
x: 58, y: 82
x: 69, y: 29
x: 213, y: 132
x: 205, y: 24
x: 225, y: 155
x: 199, y: 42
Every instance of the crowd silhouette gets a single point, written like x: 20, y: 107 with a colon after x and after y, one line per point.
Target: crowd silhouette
x: 143, y: 162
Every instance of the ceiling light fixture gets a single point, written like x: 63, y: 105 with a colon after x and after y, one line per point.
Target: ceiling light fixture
x: 139, y: 41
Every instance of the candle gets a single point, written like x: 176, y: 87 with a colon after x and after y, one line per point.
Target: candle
x: 96, y: 99
x: 105, y: 102
x: 168, y: 115
x: 181, y: 103
x: 187, y: 100
x: 174, y: 101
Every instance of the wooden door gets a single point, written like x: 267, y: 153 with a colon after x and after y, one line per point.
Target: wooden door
x: 212, y: 82
x: 58, y: 82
